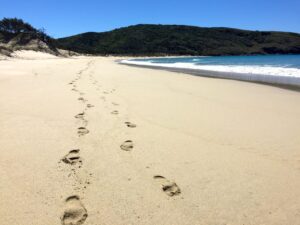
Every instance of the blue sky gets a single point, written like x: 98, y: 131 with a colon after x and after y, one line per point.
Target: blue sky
x: 67, y: 17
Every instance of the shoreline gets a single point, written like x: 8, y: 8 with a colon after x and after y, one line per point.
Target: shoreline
x: 289, y: 81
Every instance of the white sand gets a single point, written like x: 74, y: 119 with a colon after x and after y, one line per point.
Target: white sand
x: 231, y: 147
x: 30, y: 54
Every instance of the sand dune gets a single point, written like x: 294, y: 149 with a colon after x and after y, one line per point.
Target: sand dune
x: 88, y: 141
x: 30, y: 54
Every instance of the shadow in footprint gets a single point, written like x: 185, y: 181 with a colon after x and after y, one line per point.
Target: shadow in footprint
x: 75, y: 213
x: 90, y: 106
x: 82, y: 99
x: 80, y: 115
x: 131, y: 125
x: 115, y: 112
x: 127, y: 145
x: 170, y: 188
x: 72, y: 157
x: 82, y: 131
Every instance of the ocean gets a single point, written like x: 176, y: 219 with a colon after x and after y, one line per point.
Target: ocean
x: 278, y: 69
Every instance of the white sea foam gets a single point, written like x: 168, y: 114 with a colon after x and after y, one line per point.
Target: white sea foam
x: 263, y: 70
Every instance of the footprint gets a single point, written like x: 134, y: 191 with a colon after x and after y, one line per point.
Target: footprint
x: 115, y: 112
x: 127, y: 145
x: 81, y: 99
x: 131, y: 125
x: 116, y: 104
x: 79, y: 115
x: 75, y: 213
x: 72, y: 157
x: 90, y: 106
x: 170, y: 188
x: 82, y: 131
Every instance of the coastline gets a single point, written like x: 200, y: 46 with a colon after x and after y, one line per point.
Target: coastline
x: 147, y: 143
x: 291, y: 83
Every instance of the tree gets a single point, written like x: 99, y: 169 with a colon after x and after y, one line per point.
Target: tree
x: 15, y: 26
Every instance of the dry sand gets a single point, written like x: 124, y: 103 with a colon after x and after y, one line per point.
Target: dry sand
x: 88, y: 141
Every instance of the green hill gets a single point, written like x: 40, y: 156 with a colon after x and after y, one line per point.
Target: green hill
x: 181, y: 40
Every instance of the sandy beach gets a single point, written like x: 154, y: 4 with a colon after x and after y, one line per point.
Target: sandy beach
x: 85, y: 140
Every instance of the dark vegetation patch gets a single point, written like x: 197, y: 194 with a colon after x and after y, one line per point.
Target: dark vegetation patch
x: 181, y: 40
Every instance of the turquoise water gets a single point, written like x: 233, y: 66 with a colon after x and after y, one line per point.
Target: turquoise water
x: 284, y: 61
x: 279, y: 69
x: 274, y: 65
